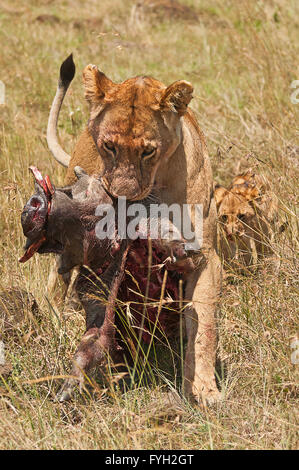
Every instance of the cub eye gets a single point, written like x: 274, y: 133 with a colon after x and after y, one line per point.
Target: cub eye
x: 241, y: 217
x: 109, y: 146
x: 223, y: 218
x: 148, y: 153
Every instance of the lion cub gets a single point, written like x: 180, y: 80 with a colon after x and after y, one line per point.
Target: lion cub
x: 247, y: 213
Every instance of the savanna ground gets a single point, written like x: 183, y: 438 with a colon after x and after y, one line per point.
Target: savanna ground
x: 241, y: 58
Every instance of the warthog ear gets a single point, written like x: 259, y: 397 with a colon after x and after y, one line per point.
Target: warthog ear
x: 79, y: 172
x: 177, y: 97
x: 96, y: 84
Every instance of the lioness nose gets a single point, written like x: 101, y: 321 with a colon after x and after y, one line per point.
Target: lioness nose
x: 127, y: 187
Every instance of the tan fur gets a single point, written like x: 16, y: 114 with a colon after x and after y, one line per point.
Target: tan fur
x: 127, y: 120
x: 247, y: 212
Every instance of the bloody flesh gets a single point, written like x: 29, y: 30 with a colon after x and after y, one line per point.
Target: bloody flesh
x: 134, y: 286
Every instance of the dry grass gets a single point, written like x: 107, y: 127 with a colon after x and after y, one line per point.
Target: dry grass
x: 241, y: 58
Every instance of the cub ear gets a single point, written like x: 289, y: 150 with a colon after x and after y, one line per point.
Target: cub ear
x: 177, y: 96
x: 219, y: 194
x: 259, y: 199
x: 96, y: 84
x: 248, y: 190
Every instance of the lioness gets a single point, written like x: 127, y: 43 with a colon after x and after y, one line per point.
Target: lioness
x: 142, y: 135
x: 247, y: 211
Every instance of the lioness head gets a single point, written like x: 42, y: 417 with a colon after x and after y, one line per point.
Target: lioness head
x: 135, y: 126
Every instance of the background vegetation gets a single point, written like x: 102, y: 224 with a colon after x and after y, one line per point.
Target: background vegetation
x: 241, y: 57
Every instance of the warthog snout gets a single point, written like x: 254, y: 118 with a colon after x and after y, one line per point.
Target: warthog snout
x: 34, y: 215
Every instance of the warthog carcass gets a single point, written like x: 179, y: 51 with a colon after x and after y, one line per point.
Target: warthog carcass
x: 64, y: 221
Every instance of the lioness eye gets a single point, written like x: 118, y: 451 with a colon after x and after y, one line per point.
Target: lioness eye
x: 147, y: 153
x: 241, y: 216
x: 223, y: 218
x: 109, y: 146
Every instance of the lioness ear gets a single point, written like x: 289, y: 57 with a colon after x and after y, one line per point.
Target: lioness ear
x: 96, y: 84
x: 219, y: 194
x: 177, y: 97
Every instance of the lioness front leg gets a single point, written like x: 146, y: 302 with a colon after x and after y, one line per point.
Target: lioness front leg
x: 203, y: 287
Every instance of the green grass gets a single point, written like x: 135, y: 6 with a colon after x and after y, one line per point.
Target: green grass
x: 241, y: 58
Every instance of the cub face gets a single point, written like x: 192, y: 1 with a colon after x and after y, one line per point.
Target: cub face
x: 235, y: 214
x: 246, y: 212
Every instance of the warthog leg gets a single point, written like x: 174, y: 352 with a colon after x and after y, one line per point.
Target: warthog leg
x: 99, y: 340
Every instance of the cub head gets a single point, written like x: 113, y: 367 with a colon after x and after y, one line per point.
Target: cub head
x: 238, y: 206
x: 247, y: 214
x: 135, y: 126
x: 235, y: 212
